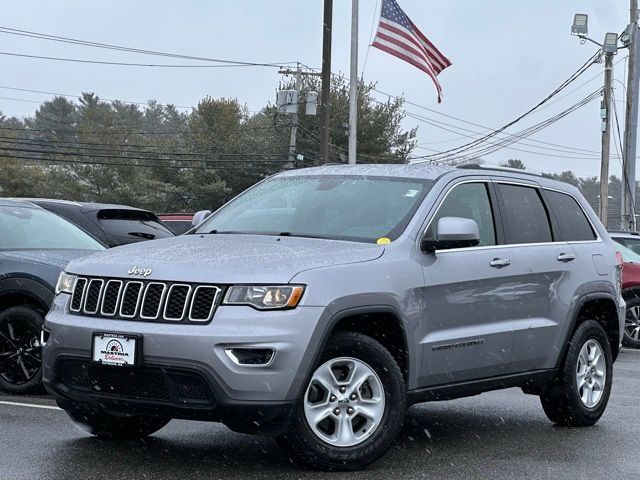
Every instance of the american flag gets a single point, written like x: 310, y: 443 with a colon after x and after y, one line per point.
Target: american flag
x: 399, y: 36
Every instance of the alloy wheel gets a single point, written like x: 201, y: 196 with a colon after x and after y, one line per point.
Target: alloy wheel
x: 20, y: 351
x: 632, y: 323
x: 591, y: 373
x: 345, y: 402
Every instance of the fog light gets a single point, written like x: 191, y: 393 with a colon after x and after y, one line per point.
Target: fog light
x: 251, y: 357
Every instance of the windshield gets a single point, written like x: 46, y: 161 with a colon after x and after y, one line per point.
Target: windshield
x: 27, y: 228
x: 358, y: 208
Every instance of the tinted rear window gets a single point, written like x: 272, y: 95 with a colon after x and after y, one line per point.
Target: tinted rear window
x: 574, y: 225
x: 527, y: 219
x: 125, y: 226
x: 178, y: 226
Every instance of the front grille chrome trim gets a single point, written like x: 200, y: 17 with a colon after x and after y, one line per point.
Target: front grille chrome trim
x: 211, y: 309
x: 114, y: 299
x: 86, y: 299
x: 144, y: 298
x: 187, y: 299
x: 73, y: 297
x: 118, y: 297
x: 124, y: 293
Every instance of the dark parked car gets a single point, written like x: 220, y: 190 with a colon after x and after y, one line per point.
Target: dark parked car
x: 178, y: 223
x: 35, y: 245
x: 112, y: 225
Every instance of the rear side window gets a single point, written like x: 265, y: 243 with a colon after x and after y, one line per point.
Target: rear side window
x: 574, y: 225
x: 126, y: 226
x: 527, y: 220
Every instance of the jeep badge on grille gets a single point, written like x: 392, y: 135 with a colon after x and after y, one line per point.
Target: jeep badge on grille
x: 145, y: 272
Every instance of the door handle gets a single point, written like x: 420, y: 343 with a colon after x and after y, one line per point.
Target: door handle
x: 566, y: 257
x: 500, y: 262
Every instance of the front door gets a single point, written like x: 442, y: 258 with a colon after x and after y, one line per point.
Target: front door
x: 468, y: 295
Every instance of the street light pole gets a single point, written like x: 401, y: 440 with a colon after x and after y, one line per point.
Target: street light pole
x: 631, y: 124
x: 606, y: 138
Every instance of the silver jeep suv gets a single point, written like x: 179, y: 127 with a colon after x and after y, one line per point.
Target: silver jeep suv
x: 321, y: 303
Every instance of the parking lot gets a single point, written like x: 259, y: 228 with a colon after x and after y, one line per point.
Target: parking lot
x: 498, y: 435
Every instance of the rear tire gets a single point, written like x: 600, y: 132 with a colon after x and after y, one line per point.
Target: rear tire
x: 580, y: 394
x: 348, y: 358
x: 113, y: 427
x: 20, y: 350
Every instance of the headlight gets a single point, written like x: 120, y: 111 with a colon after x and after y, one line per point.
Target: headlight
x: 66, y: 283
x: 265, y: 297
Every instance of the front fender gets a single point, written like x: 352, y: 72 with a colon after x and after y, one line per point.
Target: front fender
x: 32, y: 287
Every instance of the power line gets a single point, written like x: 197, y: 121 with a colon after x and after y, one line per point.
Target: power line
x: 132, y: 165
x: 125, y: 64
x: 490, y: 130
x: 479, y: 149
x: 133, y: 157
x: 563, y: 85
x: 107, y: 46
x: 118, y: 149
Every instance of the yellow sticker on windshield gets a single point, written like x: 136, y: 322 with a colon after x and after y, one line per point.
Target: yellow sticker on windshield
x: 383, y: 241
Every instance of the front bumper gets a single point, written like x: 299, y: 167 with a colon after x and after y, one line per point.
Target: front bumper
x: 199, y: 349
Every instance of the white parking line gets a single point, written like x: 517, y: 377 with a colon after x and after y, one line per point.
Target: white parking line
x: 30, y: 405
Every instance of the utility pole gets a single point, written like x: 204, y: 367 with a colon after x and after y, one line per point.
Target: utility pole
x: 294, y: 119
x: 299, y: 73
x: 325, y: 99
x: 606, y: 137
x: 353, y: 90
x: 631, y: 124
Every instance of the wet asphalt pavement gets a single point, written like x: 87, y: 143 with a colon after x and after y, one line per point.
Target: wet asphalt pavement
x: 497, y: 435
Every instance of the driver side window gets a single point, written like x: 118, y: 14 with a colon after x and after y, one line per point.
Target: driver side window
x: 468, y: 200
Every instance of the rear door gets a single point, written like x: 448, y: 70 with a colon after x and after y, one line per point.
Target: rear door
x: 468, y: 294
x: 547, y: 275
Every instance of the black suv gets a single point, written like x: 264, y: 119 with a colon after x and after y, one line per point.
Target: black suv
x: 112, y: 225
x: 35, y: 245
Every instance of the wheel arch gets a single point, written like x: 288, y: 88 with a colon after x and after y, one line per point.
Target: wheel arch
x: 599, y: 306
x: 381, y: 322
x: 16, y: 291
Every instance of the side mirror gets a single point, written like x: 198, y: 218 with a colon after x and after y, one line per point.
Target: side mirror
x: 199, y: 217
x: 453, y: 232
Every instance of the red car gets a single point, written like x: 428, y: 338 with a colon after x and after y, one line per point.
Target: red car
x: 629, y: 248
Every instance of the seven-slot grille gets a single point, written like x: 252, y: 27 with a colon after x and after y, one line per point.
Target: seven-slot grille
x: 148, y: 301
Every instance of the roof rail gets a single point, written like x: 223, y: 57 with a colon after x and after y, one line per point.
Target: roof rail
x: 474, y: 166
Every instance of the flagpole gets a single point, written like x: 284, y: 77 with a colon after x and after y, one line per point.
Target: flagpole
x: 353, y: 90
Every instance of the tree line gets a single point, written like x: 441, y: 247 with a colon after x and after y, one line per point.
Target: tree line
x: 158, y: 157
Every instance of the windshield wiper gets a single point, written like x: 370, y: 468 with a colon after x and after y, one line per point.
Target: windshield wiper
x: 302, y: 235
x: 226, y: 232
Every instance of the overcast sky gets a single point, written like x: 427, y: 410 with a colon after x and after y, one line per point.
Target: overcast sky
x: 507, y: 55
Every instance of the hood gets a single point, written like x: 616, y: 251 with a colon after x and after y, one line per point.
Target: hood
x: 224, y: 258
x: 53, y: 257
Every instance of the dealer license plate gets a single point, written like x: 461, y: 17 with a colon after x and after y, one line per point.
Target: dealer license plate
x: 115, y: 349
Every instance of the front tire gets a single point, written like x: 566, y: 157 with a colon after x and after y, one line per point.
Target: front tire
x: 20, y: 350
x: 113, y: 427
x: 579, y: 396
x: 353, y: 407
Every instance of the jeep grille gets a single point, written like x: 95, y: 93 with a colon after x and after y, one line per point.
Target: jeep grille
x: 144, y: 300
